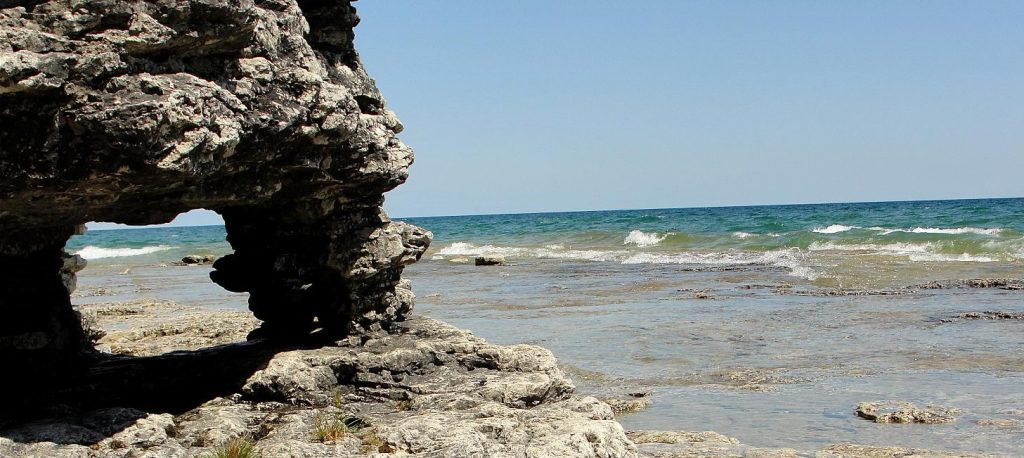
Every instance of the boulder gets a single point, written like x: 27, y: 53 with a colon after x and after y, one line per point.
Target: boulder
x: 490, y: 260
x: 195, y: 259
x: 904, y: 412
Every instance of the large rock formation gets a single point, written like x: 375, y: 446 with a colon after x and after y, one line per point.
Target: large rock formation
x: 135, y: 111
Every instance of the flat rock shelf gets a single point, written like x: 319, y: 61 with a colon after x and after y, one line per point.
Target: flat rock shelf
x: 424, y: 389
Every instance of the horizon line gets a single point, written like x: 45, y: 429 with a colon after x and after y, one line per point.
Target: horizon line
x: 157, y: 226
x: 712, y: 207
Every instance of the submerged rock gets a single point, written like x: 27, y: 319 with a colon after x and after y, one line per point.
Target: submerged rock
x: 195, y: 259
x: 904, y: 412
x: 1000, y: 283
x: 623, y: 406
x: 426, y: 389
x: 872, y: 451
x: 986, y: 315
x: 490, y: 260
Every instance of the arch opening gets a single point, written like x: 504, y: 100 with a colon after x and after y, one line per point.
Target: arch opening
x: 154, y: 279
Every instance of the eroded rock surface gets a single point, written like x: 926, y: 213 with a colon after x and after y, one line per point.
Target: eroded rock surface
x: 428, y: 390
x: 425, y: 389
x: 135, y: 111
x: 904, y: 412
x: 993, y: 315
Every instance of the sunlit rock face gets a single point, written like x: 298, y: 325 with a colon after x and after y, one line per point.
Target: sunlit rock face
x: 135, y: 111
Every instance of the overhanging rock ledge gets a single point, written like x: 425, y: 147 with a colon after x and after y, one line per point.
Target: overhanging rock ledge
x: 135, y: 111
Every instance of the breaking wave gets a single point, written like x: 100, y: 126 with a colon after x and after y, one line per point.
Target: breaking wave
x: 915, y: 252
x: 834, y: 229
x: 888, y: 248
x: 644, y: 239
x: 95, y: 252
x: 941, y: 257
x: 788, y: 258
x: 950, y: 231
x: 550, y: 252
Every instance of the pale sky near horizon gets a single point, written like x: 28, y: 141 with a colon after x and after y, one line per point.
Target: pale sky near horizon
x: 529, y: 106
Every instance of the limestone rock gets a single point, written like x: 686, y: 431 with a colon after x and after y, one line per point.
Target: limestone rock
x: 635, y: 403
x: 133, y: 112
x: 195, y: 259
x: 426, y: 389
x: 868, y: 451
x: 489, y: 260
x: 904, y: 412
x: 986, y: 315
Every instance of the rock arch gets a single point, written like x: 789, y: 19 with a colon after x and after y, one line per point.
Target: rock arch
x: 135, y: 111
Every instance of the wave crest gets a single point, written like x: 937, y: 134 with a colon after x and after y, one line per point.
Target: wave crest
x: 789, y: 258
x: 887, y: 248
x: 550, y: 251
x: 834, y: 229
x: 643, y: 239
x: 95, y: 252
x: 955, y: 230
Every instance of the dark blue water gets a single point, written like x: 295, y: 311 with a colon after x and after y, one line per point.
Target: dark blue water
x: 790, y: 222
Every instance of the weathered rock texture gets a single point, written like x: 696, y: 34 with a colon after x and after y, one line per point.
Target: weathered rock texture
x: 425, y: 389
x: 135, y: 111
x: 904, y: 412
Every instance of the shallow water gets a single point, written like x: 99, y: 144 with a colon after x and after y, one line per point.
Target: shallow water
x: 732, y: 317
x: 771, y: 368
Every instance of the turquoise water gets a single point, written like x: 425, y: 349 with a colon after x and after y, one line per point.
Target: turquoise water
x: 143, y: 246
x: 856, y: 244
x: 757, y: 228
x: 738, y: 319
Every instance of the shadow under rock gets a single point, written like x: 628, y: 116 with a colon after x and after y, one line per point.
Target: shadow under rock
x: 93, y: 400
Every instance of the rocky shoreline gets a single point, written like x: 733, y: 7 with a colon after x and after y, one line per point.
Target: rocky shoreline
x: 425, y: 389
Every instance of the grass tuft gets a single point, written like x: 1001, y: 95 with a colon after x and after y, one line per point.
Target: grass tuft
x: 332, y: 428
x: 239, y: 447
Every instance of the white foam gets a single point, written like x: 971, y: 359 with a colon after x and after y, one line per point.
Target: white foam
x: 644, y: 239
x: 583, y: 255
x: 790, y: 258
x: 747, y: 235
x: 883, y: 230
x: 939, y: 230
x: 956, y: 230
x: 899, y: 248
x: 940, y: 257
x: 95, y: 252
x: 915, y: 252
x: 834, y: 229
x: 550, y: 251
x: 468, y: 249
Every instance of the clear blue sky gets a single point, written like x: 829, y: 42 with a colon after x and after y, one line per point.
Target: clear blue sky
x: 525, y: 105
